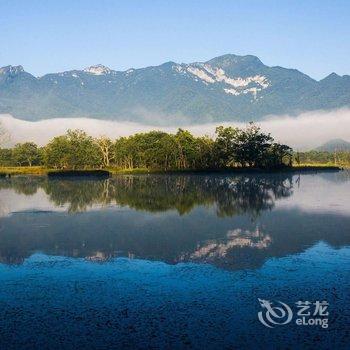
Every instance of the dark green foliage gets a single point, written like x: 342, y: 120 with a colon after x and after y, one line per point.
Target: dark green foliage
x: 224, y: 146
x: 6, y: 157
x: 278, y: 154
x: 26, y: 154
x: 56, y: 153
x: 159, y: 150
x: 75, y: 150
x: 155, y: 150
x: 249, y: 147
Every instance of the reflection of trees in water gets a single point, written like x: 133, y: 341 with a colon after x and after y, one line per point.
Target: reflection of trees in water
x: 231, y: 194
x: 161, y: 193
x: 78, y: 195
x: 237, y: 243
x: 27, y: 185
x: 251, y: 194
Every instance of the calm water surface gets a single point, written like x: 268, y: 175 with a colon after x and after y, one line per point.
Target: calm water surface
x: 173, y: 262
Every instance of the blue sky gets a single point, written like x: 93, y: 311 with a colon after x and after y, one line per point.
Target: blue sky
x: 51, y: 36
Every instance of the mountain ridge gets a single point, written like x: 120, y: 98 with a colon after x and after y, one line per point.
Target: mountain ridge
x: 335, y: 145
x: 227, y: 87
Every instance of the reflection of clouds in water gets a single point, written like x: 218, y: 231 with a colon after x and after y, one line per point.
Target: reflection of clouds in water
x: 12, y: 202
x: 236, y: 238
x: 321, y: 193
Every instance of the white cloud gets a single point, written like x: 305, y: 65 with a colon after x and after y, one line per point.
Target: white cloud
x: 305, y: 131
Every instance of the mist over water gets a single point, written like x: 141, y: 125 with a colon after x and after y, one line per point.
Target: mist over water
x: 304, y: 131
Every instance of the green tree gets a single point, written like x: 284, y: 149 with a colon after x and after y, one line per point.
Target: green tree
x: 186, y: 148
x: 278, y: 155
x: 83, y: 151
x: 167, y: 153
x: 6, y: 158
x: 56, y: 153
x: 225, y: 145
x: 157, y: 150
x: 124, y: 152
x: 26, y: 153
x: 162, y: 151
x: 75, y: 150
x: 205, y: 153
x: 251, y: 146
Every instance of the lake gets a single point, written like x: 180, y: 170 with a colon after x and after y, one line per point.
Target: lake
x: 214, y: 261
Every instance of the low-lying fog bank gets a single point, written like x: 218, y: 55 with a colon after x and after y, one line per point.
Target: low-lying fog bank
x: 303, y: 132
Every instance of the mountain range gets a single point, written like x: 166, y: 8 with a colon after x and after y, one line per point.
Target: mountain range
x: 225, y: 88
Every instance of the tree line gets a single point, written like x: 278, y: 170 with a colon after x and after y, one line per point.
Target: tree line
x: 231, y: 147
x: 337, y: 158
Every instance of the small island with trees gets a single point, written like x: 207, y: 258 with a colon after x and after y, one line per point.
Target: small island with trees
x: 155, y: 151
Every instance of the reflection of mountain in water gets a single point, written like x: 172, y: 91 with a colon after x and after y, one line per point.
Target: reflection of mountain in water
x: 215, y: 250
x: 230, y: 221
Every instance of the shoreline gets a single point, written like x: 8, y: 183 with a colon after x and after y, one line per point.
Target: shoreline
x: 53, y: 173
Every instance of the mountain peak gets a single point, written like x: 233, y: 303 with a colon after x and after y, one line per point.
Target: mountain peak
x: 229, y: 60
x: 332, y: 76
x: 334, y: 79
x: 98, y: 69
x: 11, y: 70
x: 335, y: 145
x: 236, y: 65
